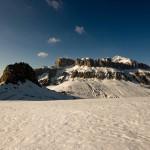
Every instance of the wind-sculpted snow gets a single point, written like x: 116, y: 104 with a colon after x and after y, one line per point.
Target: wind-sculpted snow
x: 103, y: 124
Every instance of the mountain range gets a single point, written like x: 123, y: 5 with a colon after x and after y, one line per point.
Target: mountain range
x: 77, y: 78
x: 92, y: 78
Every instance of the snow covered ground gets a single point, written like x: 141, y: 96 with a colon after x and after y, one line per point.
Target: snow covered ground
x: 30, y: 91
x: 92, y: 88
x: 102, y: 124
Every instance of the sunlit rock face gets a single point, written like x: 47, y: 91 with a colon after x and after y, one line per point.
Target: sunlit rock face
x: 117, y: 62
x: 18, y: 72
x: 117, y: 67
x: 64, y: 62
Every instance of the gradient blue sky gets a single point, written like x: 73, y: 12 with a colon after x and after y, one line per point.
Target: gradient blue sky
x: 103, y: 28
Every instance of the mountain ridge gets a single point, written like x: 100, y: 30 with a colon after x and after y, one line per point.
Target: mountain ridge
x: 80, y: 78
x: 89, y: 78
x: 118, y: 67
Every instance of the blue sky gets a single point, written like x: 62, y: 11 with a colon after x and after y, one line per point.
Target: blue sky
x: 38, y: 31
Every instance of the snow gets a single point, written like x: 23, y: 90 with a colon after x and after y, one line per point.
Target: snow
x: 87, y: 58
x: 102, y: 124
x: 44, y: 76
x: 28, y: 90
x: 101, y: 69
x: 90, y: 69
x: 120, y: 59
x: 92, y: 88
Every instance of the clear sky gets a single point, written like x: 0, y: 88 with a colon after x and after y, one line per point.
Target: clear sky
x: 38, y: 31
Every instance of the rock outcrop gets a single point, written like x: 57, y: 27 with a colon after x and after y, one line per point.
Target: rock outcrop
x: 18, y: 72
x: 108, y: 62
x: 64, y: 62
x: 143, y: 78
x: 100, y: 75
x: 45, y: 75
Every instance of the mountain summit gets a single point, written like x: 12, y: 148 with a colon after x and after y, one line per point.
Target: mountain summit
x: 120, y: 59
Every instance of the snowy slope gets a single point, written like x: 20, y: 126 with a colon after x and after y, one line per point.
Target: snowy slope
x: 92, y: 88
x: 43, y: 76
x: 115, y: 124
x: 28, y: 90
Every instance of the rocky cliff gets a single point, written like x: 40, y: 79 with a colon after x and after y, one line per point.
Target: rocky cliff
x: 64, y: 62
x: 18, y: 72
x: 118, y: 68
x: 111, y: 62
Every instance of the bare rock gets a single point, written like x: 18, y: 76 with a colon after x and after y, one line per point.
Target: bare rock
x: 64, y: 62
x: 19, y: 72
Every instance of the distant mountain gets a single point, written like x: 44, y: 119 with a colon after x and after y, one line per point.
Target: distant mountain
x: 106, y: 77
x: 80, y: 78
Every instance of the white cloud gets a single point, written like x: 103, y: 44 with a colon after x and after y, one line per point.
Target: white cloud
x: 42, y: 54
x: 53, y: 40
x: 79, y: 29
x: 55, y: 4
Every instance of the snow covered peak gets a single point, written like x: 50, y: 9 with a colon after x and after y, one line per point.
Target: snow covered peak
x: 87, y: 58
x: 120, y: 59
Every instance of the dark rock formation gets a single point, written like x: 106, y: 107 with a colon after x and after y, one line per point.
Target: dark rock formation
x: 107, y: 62
x: 18, y: 72
x: 99, y: 75
x: 51, y: 73
x: 85, y: 62
x: 142, y: 77
x: 44, y: 82
x: 104, y: 62
x: 40, y: 71
x: 64, y: 62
